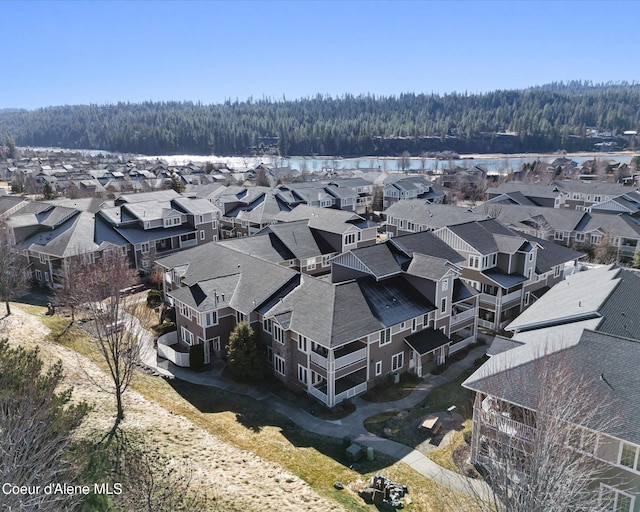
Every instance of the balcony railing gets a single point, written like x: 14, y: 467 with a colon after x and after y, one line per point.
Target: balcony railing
x: 462, y: 316
x: 503, y: 424
x: 511, y: 297
x: 340, y: 362
x: 351, y: 392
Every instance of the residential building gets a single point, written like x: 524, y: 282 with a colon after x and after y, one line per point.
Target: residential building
x: 402, y: 186
x: 590, y: 321
x: 415, y: 215
x: 393, y: 307
x: 508, y: 268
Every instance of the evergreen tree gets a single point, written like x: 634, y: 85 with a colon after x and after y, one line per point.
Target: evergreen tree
x: 176, y: 183
x: 243, y: 354
x: 47, y: 191
x: 11, y: 146
x: 36, y: 427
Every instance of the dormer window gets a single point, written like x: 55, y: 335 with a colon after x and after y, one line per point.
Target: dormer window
x: 172, y: 221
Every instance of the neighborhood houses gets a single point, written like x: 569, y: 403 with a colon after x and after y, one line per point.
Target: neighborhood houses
x: 352, y: 280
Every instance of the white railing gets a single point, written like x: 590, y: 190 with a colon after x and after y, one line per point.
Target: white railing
x: 485, y: 297
x: 351, y: 358
x: 509, y: 297
x: 188, y: 243
x: 351, y: 392
x: 461, y: 344
x: 319, y: 360
x: 506, y: 425
x: 485, y: 323
x: 463, y: 315
x: 340, y: 362
x: 315, y: 392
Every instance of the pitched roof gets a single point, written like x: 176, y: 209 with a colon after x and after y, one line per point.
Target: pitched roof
x: 431, y: 215
x: 258, y: 278
x: 514, y: 378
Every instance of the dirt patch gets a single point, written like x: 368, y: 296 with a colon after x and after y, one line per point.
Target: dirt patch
x: 238, y: 479
x: 461, y: 456
x: 449, y: 425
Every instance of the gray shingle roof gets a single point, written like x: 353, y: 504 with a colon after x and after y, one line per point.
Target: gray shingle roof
x: 517, y: 382
x: 258, y: 279
x: 431, y: 215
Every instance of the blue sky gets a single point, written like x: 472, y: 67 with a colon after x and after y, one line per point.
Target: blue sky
x: 57, y: 53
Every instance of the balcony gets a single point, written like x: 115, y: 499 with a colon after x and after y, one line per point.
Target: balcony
x: 338, y: 363
x: 504, y: 424
x: 460, y: 315
x: 511, y: 297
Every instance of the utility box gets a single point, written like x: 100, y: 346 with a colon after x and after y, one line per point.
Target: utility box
x: 354, y: 453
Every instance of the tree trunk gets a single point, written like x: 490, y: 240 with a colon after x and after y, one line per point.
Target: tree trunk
x: 8, y: 308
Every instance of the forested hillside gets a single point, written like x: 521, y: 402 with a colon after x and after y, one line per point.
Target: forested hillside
x: 546, y: 118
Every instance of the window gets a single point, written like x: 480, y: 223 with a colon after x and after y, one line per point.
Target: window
x: 144, y: 247
x: 595, y: 239
x: 350, y: 239
x: 202, y: 234
x: 266, y: 325
x: 445, y: 285
x: 187, y: 336
x: 403, y: 326
x: 556, y: 271
x: 397, y: 361
x: 39, y: 275
x: 302, y: 374
x: 216, y: 343
x: 425, y: 321
x: 302, y: 344
x: 172, y: 221
x: 529, y: 272
x: 188, y: 237
x: 278, y: 334
x: 209, y: 318
x: 325, y: 260
x: 414, y: 325
x: 474, y: 261
x: 239, y: 317
x: 311, y: 264
x: 629, y: 456
x: 614, y: 500
x: 494, y: 259
x: 385, y: 336
x: 531, y: 256
x: 200, y: 219
x: 378, y: 368
x: 527, y: 297
x: 443, y: 305
x: 558, y: 235
x: 579, y: 237
x: 43, y: 258
x: 278, y: 364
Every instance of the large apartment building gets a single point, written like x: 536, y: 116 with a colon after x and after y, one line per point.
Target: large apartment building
x: 393, y: 307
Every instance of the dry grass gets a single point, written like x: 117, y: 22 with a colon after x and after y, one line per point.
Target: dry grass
x: 252, y: 458
x: 444, y: 456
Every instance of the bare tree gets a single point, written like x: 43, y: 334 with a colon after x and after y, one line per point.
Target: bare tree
x: 14, y: 277
x: 535, y: 435
x: 405, y: 161
x: 36, y: 427
x: 98, y: 288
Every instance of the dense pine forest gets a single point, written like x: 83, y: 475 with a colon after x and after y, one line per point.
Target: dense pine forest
x: 573, y: 116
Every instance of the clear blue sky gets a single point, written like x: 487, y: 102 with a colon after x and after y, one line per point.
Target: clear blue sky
x: 78, y: 52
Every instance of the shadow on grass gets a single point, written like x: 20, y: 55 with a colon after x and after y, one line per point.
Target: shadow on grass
x: 255, y: 416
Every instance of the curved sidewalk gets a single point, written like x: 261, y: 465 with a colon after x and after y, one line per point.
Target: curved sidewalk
x: 351, y: 426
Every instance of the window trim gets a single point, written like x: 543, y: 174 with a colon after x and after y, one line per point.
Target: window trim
x: 397, y: 361
x: 378, y: 369
x: 279, y: 365
x: 385, y: 337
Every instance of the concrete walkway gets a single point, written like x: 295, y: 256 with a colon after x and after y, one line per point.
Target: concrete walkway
x: 351, y: 426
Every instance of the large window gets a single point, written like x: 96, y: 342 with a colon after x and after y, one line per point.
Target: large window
x: 302, y: 344
x: 278, y: 334
x: 629, y: 456
x: 302, y: 374
x: 614, y: 500
x: 397, y: 361
x: 187, y: 336
x: 278, y: 364
x: 385, y: 336
x: 350, y: 239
